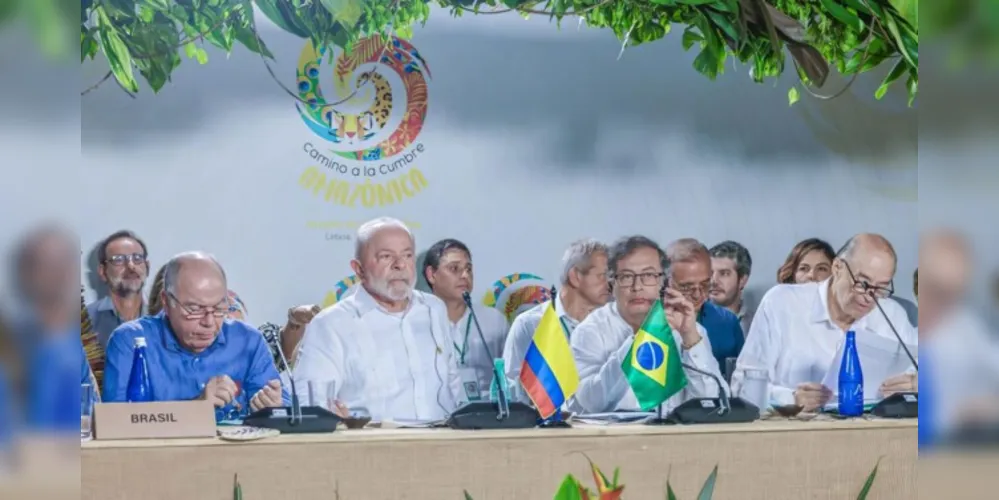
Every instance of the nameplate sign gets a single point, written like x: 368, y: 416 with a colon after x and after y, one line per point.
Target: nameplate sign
x: 166, y: 419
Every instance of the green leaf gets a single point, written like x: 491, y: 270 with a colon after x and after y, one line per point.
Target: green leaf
x: 695, y: 2
x: 275, y: 11
x: 670, y: 495
x: 842, y: 15
x: 201, y: 55
x: 116, y: 52
x: 900, y: 44
x: 870, y: 482
x: 690, y: 37
x: 88, y: 44
x: 247, y: 38
x: 160, y: 5
x: 792, y: 96
x: 896, y: 72
x: 237, y: 489
x: 346, y: 12
x: 569, y: 490
x: 708, y: 490
x: 467, y: 496
x: 912, y: 84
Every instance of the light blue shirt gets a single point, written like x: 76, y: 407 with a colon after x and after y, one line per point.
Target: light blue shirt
x: 177, y: 374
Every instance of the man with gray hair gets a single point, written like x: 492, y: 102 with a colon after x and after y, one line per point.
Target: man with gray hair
x: 799, y: 328
x: 386, y: 348
x: 731, y: 266
x: 192, y: 350
x: 584, y: 288
x: 688, y: 271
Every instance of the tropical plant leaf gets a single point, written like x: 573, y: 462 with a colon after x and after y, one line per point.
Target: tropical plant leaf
x: 670, y: 495
x: 569, y: 490
x: 468, y: 496
x: 708, y: 490
x: 870, y: 482
x: 237, y: 489
x: 792, y: 96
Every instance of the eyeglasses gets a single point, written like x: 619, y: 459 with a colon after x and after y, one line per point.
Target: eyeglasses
x: 698, y: 290
x: 861, y: 286
x: 197, y: 311
x: 121, y: 260
x: 647, y: 279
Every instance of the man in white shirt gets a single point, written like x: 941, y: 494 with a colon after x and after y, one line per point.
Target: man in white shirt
x: 584, y: 288
x: 448, y: 270
x: 387, y: 347
x: 798, y: 328
x: 602, y: 341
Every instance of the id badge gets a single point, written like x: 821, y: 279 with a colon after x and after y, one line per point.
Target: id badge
x: 470, y: 381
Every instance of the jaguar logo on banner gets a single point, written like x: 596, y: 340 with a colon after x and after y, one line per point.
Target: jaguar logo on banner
x: 365, y: 146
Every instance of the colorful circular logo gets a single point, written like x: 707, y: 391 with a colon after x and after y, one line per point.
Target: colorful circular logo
x: 361, y: 119
x: 516, y: 293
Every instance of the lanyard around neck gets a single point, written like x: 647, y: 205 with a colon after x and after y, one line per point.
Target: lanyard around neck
x: 464, y: 347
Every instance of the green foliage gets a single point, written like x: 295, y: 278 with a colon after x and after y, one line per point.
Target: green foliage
x: 852, y: 36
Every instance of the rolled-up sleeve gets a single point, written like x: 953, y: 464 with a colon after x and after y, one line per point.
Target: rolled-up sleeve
x: 762, y: 349
x: 602, y: 383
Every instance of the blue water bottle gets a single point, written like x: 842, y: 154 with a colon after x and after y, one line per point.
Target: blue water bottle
x: 851, y: 380
x: 140, y: 388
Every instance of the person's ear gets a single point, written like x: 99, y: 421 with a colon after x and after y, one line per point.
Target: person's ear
x: 355, y: 265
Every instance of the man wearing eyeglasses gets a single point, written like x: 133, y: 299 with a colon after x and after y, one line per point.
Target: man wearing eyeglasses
x: 602, y: 340
x: 193, y: 351
x: 122, y: 266
x: 688, y: 271
x: 799, y: 328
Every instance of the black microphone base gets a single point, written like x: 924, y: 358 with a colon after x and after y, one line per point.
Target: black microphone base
x: 314, y: 419
x: 708, y: 411
x: 483, y: 415
x: 898, y: 405
x: 555, y: 424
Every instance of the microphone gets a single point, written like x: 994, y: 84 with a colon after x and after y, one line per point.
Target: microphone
x: 484, y: 414
x: 720, y: 410
x: 900, y: 404
x: 294, y: 419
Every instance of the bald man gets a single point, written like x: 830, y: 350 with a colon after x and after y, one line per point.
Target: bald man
x: 193, y: 350
x: 799, y: 328
x: 963, y: 371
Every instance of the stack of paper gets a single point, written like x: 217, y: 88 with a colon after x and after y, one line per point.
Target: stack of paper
x: 615, y: 417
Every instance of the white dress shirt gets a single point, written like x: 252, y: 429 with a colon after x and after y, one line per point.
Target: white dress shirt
x: 520, y: 337
x: 795, y: 340
x: 599, y: 345
x: 398, y: 366
x: 494, y: 329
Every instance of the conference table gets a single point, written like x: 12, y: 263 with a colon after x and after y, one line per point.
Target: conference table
x: 767, y: 459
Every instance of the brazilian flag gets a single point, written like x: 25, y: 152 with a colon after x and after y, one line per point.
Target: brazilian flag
x: 653, y: 367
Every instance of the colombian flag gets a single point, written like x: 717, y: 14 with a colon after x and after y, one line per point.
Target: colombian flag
x: 549, y: 373
x: 653, y: 367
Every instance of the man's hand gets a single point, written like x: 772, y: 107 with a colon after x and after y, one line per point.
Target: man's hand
x: 681, y: 316
x: 812, y: 396
x: 906, y: 382
x: 300, y: 316
x: 268, y: 397
x: 220, y: 390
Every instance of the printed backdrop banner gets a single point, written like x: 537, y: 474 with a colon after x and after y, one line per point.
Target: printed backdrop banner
x: 510, y: 135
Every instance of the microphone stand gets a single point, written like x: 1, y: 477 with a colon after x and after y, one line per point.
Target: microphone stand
x: 501, y: 393
x: 900, y: 404
x: 720, y: 410
x: 311, y: 419
x: 485, y: 414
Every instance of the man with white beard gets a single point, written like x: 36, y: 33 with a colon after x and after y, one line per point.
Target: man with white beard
x: 386, y: 348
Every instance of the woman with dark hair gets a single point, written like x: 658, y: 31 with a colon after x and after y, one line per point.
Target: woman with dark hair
x: 809, y: 261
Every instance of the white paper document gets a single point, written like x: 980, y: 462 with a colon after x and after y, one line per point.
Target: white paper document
x: 880, y: 358
x: 614, y: 417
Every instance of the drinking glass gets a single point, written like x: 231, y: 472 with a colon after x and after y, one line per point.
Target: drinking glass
x: 86, y: 412
x: 756, y: 388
